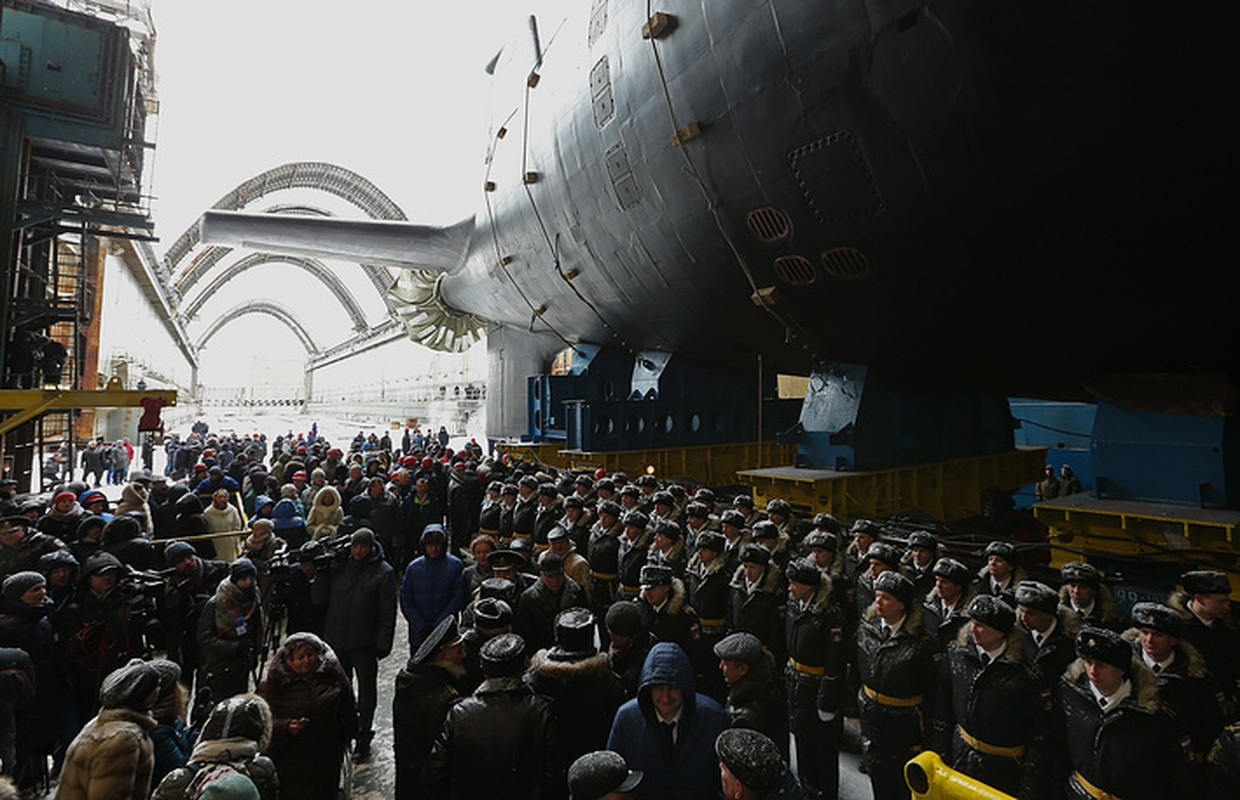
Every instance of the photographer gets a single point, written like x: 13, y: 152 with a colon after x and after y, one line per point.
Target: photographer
x: 293, y: 576
x: 230, y: 632
x: 100, y: 630
x: 260, y: 547
x: 192, y: 583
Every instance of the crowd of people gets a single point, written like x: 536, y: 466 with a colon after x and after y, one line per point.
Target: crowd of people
x: 570, y: 633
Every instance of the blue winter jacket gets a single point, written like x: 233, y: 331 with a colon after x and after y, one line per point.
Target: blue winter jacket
x: 691, y: 770
x: 429, y: 591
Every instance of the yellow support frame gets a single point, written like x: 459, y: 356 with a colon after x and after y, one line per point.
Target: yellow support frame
x: 945, y: 489
x: 30, y: 403
x: 710, y: 465
x: 1146, y: 531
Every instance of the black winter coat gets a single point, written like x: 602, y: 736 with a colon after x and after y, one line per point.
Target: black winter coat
x: 757, y: 701
x: 584, y: 695
x: 632, y: 559
x: 488, y: 517
x: 547, y: 517
x: 1218, y: 644
x: 30, y: 629
x: 675, y: 622
x: 901, y: 667
x: 1054, y: 655
x: 424, y: 693
x: 710, y: 594
x: 538, y: 607
x: 501, y: 742
x: 464, y: 502
x: 1130, y: 752
x: 184, y: 599
x: 361, y: 604
x: 943, y: 625
x: 523, y: 516
x: 760, y: 612
x: 815, y: 641
x: 603, y: 553
x: 1190, y: 695
x: 998, y: 704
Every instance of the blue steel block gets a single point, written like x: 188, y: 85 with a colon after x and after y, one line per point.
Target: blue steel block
x: 1167, y: 458
x: 853, y: 420
x: 1053, y: 423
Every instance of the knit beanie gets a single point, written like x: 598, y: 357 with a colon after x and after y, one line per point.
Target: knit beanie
x: 176, y: 551
x: 241, y: 568
x: 129, y: 686
x: 19, y: 583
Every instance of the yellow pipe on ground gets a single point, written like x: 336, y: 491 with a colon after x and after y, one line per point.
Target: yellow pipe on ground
x: 929, y: 778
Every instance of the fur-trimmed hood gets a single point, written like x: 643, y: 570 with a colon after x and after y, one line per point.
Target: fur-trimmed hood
x: 966, y: 596
x: 1179, y: 600
x: 705, y: 570
x: 912, y: 620
x: 1017, y: 641
x: 1018, y: 575
x: 676, y: 599
x: 1184, y: 653
x: 769, y: 582
x: 821, y: 599
x: 674, y: 553
x: 1144, y: 685
x: 1104, y: 601
x: 545, y: 666
x: 642, y: 542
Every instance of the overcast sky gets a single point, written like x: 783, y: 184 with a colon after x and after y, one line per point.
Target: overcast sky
x: 392, y: 90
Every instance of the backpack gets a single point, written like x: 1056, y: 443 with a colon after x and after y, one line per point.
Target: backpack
x: 214, y: 781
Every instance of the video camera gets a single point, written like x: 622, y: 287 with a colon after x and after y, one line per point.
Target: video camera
x: 145, y: 596
x: 321, y: 553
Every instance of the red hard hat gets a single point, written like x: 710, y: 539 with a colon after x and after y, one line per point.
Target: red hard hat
x: 427, y: 461
x: 299, y: 474
x: 600, y: 473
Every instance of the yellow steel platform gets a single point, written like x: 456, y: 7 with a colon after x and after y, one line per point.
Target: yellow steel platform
x: 945, y: 489
x: 30, y: 403
x: 709, y: 465
x: 1080, y: 524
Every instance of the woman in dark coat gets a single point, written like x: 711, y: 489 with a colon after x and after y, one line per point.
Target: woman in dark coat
x: 315, y: 716
x: 191, y: 522
x: 25, y: 624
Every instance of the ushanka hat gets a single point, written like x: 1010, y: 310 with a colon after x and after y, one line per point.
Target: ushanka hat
x: 1205, y: 582
x: 752, y: 757
x: 1037, y: 596
x: 896, y: 585
x: 954, y: 571
x: 503, y: 656
x: 1106, y: 646
x: 1158, y: 617
x: 992, y: 612
x: 1080, y: 572
x: 803, y: 571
